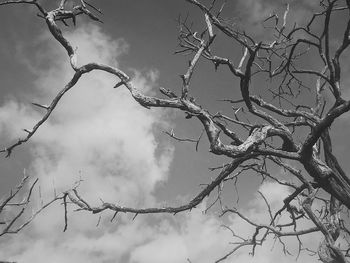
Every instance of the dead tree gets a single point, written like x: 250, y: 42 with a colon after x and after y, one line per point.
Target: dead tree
x: 304, y: 148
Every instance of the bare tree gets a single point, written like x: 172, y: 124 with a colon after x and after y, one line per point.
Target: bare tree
x: 305, y: 146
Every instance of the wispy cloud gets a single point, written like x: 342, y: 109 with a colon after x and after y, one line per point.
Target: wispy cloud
x: 254, y: 12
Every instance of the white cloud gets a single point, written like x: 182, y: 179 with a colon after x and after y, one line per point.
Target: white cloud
x: 198, y: 238
x: 97, y: 134
x: 272, y: 249
x: 201, y: 238
x: 102, y: 136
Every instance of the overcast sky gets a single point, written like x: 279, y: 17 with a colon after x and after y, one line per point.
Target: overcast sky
x: 118, y: 148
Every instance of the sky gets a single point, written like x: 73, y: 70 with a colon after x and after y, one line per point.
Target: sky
x: 117, y: 148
